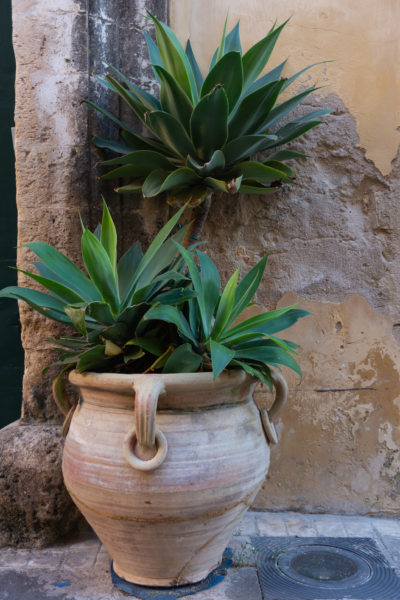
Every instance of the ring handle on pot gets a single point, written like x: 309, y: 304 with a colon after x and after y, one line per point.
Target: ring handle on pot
x: 281, y: 394
x: 145, y: 446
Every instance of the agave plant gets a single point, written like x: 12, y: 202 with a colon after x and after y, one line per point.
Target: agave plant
x: 203, y: 131
x: 106, y: 306
x: 211, y: 335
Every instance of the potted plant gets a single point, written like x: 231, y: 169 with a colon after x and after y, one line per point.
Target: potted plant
x: 165, y: 450
x: 204, y: 135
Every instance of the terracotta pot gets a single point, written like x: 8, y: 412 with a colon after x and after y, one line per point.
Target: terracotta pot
x: 164, y: 497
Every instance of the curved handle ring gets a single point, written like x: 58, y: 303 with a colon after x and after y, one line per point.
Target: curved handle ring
x: 145, y: 446
x: 281, y: 395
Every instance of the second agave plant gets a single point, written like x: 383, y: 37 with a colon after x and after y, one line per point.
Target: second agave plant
x: 202, y: 132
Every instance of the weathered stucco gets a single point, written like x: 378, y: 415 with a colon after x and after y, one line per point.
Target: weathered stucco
x: 339, y: 435
x: 360, y: 36
x: 333, y: 234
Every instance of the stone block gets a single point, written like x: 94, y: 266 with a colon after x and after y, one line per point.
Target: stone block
x: 35, y: 508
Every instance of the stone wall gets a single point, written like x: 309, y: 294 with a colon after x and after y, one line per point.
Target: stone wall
x: 333, y: 234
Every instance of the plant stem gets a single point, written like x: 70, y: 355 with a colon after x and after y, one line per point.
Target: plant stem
x: 200, y: 214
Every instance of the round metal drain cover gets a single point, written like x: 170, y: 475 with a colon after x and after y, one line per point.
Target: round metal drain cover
x: 324, y: 568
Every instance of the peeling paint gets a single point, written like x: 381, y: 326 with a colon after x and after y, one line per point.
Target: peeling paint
x: 361, y: 37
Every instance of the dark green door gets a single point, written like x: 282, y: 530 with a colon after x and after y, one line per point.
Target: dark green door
x: 11, y: 355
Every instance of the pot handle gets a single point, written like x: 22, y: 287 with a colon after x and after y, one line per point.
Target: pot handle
x: 281, y: 394
x: 145, y: 446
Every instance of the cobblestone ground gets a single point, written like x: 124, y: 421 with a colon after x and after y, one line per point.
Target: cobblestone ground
x: 79, y: 570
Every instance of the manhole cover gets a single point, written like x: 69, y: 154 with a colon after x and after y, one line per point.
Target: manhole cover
x: 324, y: 568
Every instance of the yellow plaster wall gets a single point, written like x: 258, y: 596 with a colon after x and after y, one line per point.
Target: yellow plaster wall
x: 361, y: 36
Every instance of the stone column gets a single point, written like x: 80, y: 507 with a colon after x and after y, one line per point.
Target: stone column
x: 56, y: 179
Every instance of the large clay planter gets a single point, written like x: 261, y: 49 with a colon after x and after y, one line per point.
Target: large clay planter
x: 165, y: 519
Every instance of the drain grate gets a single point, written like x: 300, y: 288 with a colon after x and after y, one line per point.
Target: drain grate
x: 324, y: 569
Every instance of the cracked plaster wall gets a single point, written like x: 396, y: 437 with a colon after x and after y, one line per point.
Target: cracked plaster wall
x: 333, y: 234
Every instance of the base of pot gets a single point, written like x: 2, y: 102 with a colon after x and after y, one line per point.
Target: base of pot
x: 170, y: 593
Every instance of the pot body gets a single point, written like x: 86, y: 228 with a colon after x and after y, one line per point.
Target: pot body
x: 168, y: 526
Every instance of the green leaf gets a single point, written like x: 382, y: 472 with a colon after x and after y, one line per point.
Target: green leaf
x: 180, y: 178
x: 93, y: 358
x: 273, y: 75
x: 171, y: 132
x: 100, y: 269
x: 39, y: 301
x: 251, y: 114
x: 283, y: 322
x: 195, y: 67
x: 256, y: 323
x: 108, y: 237
x: 221, y: 47
x: 65, y: 268
x: 221, y: 356
x: 209, y: 123
x: 256, y: 189
x: 150, y: 344
x: 172, y: 54
x: 280, y: 166
x: 131, y: 188
x: 144, y: 97
x: 153, y: 182
x: 247, y: 288
x: 216, y: 163
x: 225, y: 306
x: 197, y: 284
x: 245, y: 146
x: 287, y: 155
x: 228, y: 72
x: 175, y: 296
x: 269, y: 355
x: 144, y: 160
x: 257, y: 171
x: 183, y: 360
x: 77, y: 316
x: 258, y: 55
x: 110, y: 116
x: 142, y: 142
x: 157, y: 243
x: 285, y: 108
x: 174, y: 99
x: 287, y: 134
x: 138, y: 173
x: 139, y: 109
x: 210, y: 289
x: 154, y: 54
x: 232, y: 40
x: 100, y: 312
x: 62, y: 291
x: 170, y: 314
x: 111, y: 145
x: 127, y: 266
x: 254, y: 372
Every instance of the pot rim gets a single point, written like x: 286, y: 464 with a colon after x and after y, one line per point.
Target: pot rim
x: 173, y: 382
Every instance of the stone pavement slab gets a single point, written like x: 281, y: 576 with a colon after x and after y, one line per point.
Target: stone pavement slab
x: 80, y: 568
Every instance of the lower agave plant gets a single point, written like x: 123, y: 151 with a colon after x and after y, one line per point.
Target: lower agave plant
x: 154, y: 312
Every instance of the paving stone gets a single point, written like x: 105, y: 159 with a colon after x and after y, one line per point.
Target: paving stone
x: 247, y: 525
x: 244, y: 553
x: 300, y: 525
x: 387, y: 526
x: 271, y: 524
x: 239, y: 584
x: 14, y: 559
x: 392, y: 546
x: 329, y: 526
x: 358, y: 526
